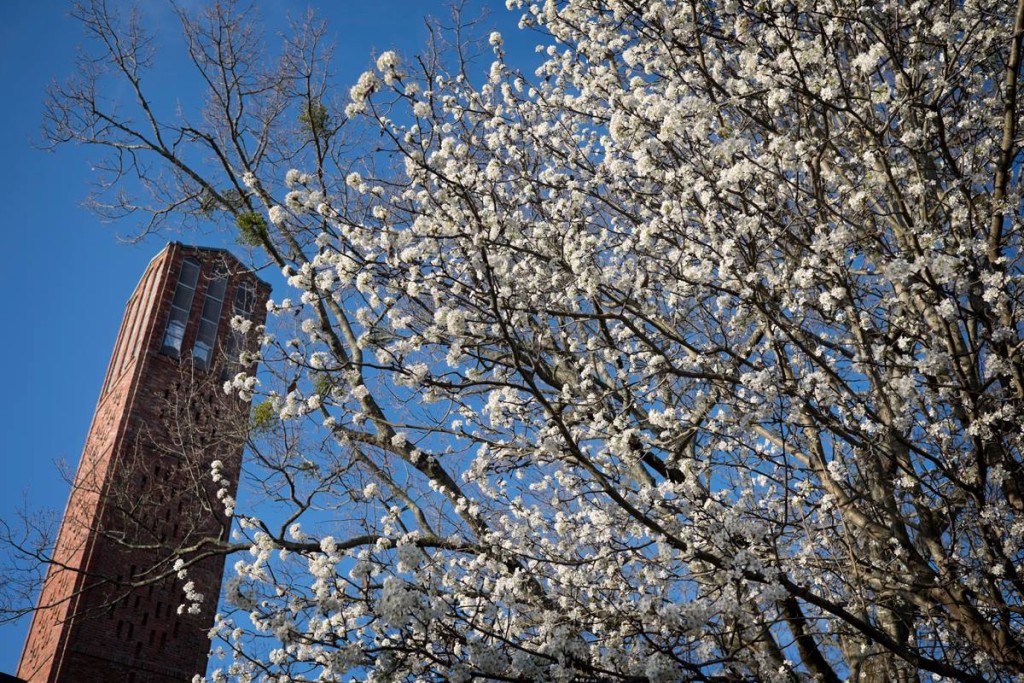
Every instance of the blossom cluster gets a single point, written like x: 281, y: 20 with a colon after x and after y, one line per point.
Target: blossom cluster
x: 694, y: 353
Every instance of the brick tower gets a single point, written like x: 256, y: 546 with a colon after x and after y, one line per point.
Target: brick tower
x: 143, y: 494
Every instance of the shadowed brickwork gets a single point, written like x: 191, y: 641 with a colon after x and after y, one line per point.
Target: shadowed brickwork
x: 143, y: 495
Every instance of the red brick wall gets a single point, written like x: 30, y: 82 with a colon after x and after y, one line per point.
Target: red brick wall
x: 108, y: 608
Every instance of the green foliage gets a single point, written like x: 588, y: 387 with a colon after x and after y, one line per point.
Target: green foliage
x: 323, y: 384
x: 315, y: 119
x: 252, y: 228
x: 263, y: 417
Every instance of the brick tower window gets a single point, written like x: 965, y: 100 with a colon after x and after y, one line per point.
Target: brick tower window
x: 245, y: 299
x: 181, y: 306
x: 243, y: 305
x: 207, y: 336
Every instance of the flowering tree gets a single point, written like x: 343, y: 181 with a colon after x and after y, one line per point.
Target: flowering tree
x: 695, y: 354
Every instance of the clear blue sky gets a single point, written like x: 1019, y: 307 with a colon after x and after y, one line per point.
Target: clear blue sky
x: 65, y: 276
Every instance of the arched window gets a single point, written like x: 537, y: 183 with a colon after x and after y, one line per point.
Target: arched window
x: 202, y: 352
x: 177, y: 321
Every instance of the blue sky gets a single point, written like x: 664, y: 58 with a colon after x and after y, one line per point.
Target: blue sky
x: 65, y: 276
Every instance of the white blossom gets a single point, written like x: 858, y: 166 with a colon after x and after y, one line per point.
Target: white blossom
x: 692, y: 350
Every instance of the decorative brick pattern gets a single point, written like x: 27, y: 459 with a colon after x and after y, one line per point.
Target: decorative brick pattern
x: 109, y: 609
